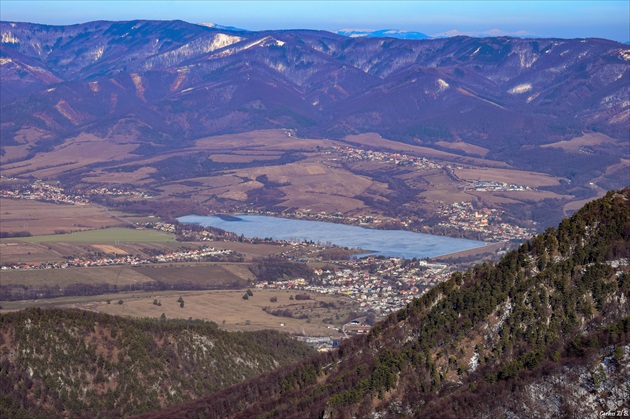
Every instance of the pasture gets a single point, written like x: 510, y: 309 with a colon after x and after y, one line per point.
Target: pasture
x: 261, y: 140
x: 465, y: 147
x: 73, y: 153
x: 576, y: 144
x: 514, y: 177
x: 48, y: 283
x: 230, y: 311
x: 225, y: 307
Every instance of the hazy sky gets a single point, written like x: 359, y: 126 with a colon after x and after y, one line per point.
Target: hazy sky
x: 563, y: 19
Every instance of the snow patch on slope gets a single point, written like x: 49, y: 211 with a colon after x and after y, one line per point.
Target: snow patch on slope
x: 221, y: 41
x: 194, y: 48
x: 66, y: 110
x: 532, y: 97
x: 42, y: 74
x: 97, y: 54
x: 521, y: 88
x: 474, y: 362
x: 526, y: 57
x: 9, y: 38
x: 178, y: 81
x: 267, y: 41
x: 137, y: 82
x: 623, y: 116
x: 442, y: 85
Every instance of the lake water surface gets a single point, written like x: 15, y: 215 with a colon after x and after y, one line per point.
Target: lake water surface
x: 391, y: 243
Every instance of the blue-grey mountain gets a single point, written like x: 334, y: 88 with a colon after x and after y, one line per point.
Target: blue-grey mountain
x: 179, y: 81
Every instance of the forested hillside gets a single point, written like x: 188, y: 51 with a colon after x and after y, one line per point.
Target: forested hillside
x: 70, y: 363
x: 544, y: 332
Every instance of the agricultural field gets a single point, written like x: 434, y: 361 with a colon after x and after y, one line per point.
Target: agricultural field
x: 262, y: 141
x: 243, y: 157
x: 138, y: 177
x: 43, y: 218
x: 14, y: 251
x: 249, y: 250
x: 517, y: 196
x: 39, y: 279
x: 199, y: 275
x: 581, y: 143
x: 109, y: 235
x: 465, y: 147
x: 73, y: 153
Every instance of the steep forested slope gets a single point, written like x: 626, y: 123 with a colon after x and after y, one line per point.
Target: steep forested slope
x: 544, y: 332
x: 81, y: 364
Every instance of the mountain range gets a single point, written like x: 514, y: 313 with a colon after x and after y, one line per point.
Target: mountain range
x: 382, y: 33
x: 175, y: 81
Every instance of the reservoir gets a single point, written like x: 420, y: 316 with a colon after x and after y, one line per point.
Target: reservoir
x: 390, y: 243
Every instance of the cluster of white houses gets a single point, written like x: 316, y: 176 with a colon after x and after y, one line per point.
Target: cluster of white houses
x: 463, y: 216
x: 381, y: 285
x: 38, y: 190
x: 196, y: 255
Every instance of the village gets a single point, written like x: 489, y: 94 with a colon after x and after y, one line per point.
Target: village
x: 380, y: 285
x: 42, y: 191
x: 39, y: 190
x: 197, y: 255
x: 400, y: 159
x: 460, y: 217
x: 377, y: 286
x: 463, y: 216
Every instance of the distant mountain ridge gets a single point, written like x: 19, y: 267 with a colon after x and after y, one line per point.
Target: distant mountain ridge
x: 227, y: 28
x: 382, y: 33
x: 171, y: 82
x: 315, y: 81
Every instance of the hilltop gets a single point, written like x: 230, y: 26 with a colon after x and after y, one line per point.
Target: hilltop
x: 60, y: 362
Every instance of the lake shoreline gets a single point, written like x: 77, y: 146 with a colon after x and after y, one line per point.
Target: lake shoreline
x: 389, y: 243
